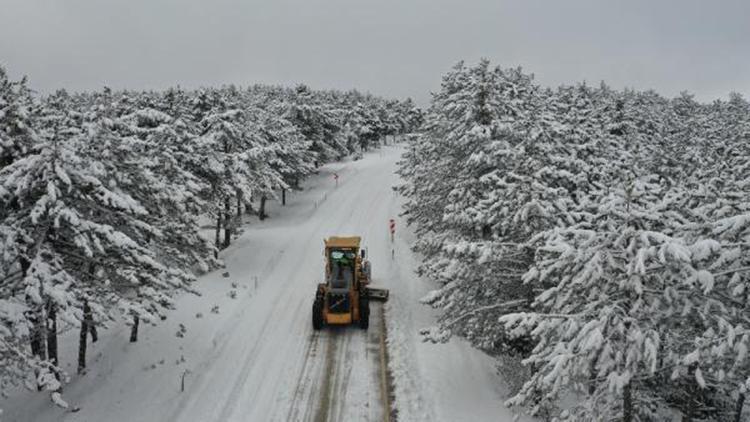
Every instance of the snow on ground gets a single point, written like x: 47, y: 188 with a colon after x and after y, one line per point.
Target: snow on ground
x: 258, y: 358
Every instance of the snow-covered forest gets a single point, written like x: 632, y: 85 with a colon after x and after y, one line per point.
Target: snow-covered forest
x: 602, y: 236
x: 103, y: 196
x: 595, y: 241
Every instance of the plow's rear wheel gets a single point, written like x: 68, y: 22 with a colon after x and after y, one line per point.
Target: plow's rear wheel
x: 317, y: 314
x: 364, y: 312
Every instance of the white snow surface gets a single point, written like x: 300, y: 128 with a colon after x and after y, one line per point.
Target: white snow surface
x: 258, y: 359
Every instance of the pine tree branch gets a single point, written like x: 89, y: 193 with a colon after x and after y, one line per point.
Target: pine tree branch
x: 732, y: 271
x: 484, y: 309
x: 11, y: 282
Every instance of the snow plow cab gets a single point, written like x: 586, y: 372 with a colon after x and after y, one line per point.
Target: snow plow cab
x: 345, y: 296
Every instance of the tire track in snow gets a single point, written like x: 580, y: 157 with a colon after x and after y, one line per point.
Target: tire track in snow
x: 250, y: 362
x: 353, y: 358
x: 342, y: 359
x: 339, y: 379
x: 345, y: 364
x: 268, y: 390
x: 251, y: 356
x: 315, y: 409
x: 305, y: 377
x: 225, y: 337
x: 321, y: 413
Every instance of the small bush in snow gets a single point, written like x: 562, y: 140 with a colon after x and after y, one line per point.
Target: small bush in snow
x: 181, y: 331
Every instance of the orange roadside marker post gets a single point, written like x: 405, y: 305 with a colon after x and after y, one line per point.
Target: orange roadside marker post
x: 336, y: 178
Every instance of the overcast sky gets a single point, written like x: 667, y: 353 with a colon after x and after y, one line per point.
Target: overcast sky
x: 390, y: 47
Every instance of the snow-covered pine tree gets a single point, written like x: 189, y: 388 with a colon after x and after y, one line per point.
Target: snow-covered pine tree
x: 286, y: 151
x: 17, y: 134
x: 317, y: 125
x: 423, y: 167
x: 626, y: 209
x: 237, y: 162
x: 88, y: 240
x: 503, y: 150
x: 411, y: 116
x: 375, y: 125
x: 165, y: 184
x: 478, y: 123
x: 266, y: 138
x: 24, y: 320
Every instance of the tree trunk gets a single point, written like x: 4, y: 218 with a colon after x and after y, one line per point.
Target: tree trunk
x: 239, y: 207
x: 283, y: 197
x: 35, y: 336
x: 36, y: 340
x: 83, y: 337
x: 42, y: 337
x: 592, y: 369
x: 227, y: 223
x: 134, y: 329
x: 691, y: 390
x: 249, y: 206
x: 218, y: 235
x: 262, y: 211
x: 38, y: 319
x: 52, y: 335
x: 738, y: 409
x: 92, y: 327
x: 25, y: 265
x: 627, y: 404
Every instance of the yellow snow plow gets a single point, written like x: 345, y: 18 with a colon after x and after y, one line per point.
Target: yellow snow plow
x: 345, y: 296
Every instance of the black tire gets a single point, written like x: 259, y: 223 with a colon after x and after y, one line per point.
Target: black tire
x: 364, y: 312
x: 317, y: 314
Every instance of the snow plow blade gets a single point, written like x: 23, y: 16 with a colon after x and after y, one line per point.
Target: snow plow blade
x: 375, y: 293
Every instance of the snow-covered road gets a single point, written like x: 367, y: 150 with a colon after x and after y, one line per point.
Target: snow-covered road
x: 270, y: 364
x: 248, y: 352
